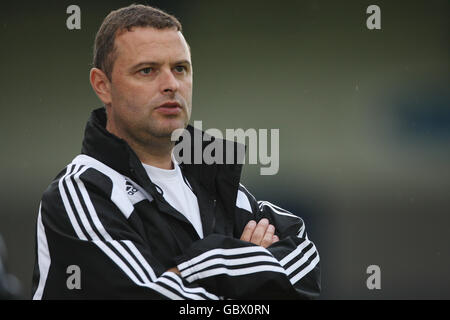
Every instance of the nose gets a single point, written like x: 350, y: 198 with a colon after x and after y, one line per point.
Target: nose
x: 169, y: 83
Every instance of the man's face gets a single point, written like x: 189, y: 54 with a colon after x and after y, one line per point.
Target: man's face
x: 151, y: 84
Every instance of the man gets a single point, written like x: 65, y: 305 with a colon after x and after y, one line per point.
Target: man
x: 125, y: 220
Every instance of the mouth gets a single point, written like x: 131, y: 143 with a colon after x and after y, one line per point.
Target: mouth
x: 169, y: 108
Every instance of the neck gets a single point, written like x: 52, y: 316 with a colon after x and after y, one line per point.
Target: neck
x: 156, y: 152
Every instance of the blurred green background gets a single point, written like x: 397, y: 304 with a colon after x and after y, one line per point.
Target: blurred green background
x: 364, y: 119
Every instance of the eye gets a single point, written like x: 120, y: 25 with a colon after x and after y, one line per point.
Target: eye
x: 146, y: 71
x: 180, y: 69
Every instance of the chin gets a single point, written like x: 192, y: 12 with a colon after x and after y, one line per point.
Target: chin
x: 166, y: 130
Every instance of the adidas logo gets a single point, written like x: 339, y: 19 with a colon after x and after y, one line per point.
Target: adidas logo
x: 130, y: 189
x: 134, y: 194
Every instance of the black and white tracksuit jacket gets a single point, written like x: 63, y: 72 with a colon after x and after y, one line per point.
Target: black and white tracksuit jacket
x: 103, y: 216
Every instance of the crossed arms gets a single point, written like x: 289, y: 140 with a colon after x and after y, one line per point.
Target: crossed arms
x: 79, y: 224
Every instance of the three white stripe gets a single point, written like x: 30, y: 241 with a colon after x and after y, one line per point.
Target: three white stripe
x: 302, y: 262
x: 167, y: 278
x: 301, y: 266
x: 194, y: 269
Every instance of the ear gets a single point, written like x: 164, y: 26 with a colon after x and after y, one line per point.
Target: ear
x: 101, y: 85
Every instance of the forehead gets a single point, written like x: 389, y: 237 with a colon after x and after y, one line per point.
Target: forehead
x: 151, y: 44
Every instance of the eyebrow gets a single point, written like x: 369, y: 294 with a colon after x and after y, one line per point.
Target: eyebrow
x: 153, y: 63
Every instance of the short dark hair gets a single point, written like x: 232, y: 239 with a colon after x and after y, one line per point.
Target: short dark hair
x: 135, y: 15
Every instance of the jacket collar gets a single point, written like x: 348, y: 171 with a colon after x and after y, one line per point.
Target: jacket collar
x: 221, y: 180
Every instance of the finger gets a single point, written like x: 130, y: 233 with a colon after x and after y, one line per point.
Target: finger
x: 275, y: 239
x: 267, y: 239
x: 259, y: 232
x: 248, y: 230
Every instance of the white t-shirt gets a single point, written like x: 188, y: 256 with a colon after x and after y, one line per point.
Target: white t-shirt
x: 177, y: 193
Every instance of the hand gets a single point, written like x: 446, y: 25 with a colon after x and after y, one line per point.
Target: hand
x: 174, y: 270
x: 261, y: 234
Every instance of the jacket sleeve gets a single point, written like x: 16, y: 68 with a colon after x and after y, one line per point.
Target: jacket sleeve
x: 87, y: 250
x: 227, y: 266
x: 295, y: 252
